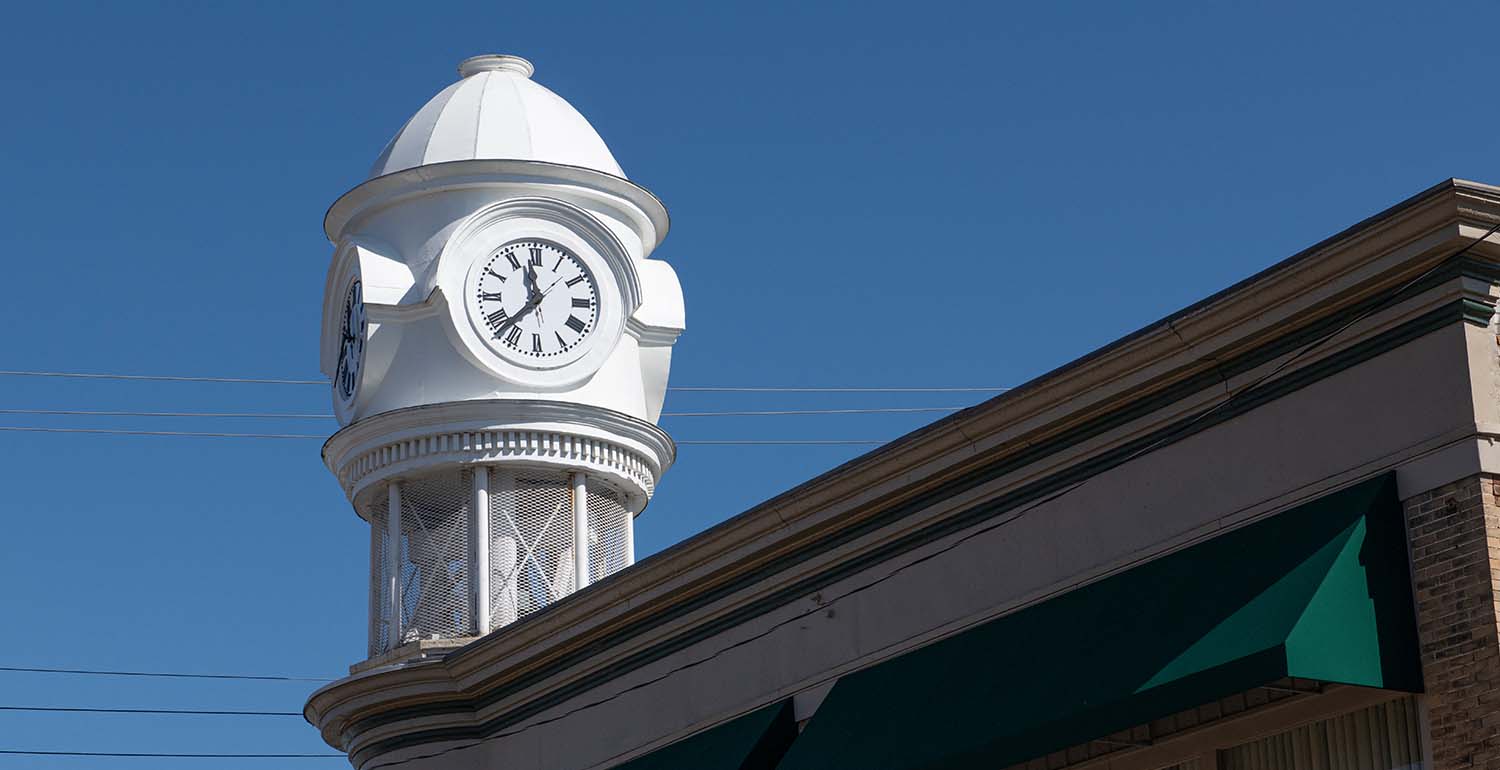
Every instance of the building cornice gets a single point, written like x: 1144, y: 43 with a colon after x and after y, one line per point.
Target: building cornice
x: 1144, y: 391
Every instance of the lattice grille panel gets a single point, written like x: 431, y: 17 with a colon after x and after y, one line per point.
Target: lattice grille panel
x: 608, y: 523
x: 434, y: 574
x: 380, y: 593
x: 531, y: 550
x: 531, y: 541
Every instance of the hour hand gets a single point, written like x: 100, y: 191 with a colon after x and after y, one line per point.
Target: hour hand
x: 530, y: 282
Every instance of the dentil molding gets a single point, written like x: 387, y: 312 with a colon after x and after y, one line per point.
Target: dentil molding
x: 628, y: 452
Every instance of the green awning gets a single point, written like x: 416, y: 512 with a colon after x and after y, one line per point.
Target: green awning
x: 1318, y: 592
x: 755, y: 741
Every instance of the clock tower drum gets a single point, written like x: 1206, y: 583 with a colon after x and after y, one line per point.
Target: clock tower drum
x: 498, y: 338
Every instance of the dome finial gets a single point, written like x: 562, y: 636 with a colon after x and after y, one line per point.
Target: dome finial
x: 493, y: 62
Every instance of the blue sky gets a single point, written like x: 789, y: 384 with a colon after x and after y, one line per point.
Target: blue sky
x: 862, y: 194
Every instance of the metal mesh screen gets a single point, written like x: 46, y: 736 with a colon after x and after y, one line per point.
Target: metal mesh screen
x: 531, y: 550
x: 531, y: 541
x: 434, y: 574
x: 380, y: 595
x: 608, y: 520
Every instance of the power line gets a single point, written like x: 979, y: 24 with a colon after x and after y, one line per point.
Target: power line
x: 777, y: 389
x: 802, y: 412
x: 192, y: 712
x: 157, y: 378
x: 320, y: 437
x: 160, y: 674
x: 788, y: 442
x: 323, y: 416
x: 822, y: 606
x: 686, y: 389
x: 177, y: 433
x: 164, y: 755
x: 118, y: 413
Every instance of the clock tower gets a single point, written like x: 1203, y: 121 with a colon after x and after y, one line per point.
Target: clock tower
x: 498, y: 339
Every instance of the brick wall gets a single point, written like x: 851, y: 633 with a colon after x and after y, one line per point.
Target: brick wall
x: 1455, y: 544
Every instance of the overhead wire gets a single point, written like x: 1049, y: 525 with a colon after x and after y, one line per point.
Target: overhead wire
x: 174, y: 712
x: 219, y: 434
x: 157, y: 377
x: 679, y: 388
x: 161, y: 674
x: 164, y: 755
x: 325, y: 416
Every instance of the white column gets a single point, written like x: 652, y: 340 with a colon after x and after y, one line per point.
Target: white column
x: 580, y: 532
x: 479, y: 550
x: 629, y: 538
x: 393, y: 565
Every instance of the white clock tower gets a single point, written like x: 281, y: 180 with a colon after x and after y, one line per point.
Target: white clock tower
x: 498, y: 339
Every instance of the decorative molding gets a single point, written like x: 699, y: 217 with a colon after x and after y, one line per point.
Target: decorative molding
x: 433, y: 305
x: 652, y: 336
x: 629, y: 201
x: 630, y: 453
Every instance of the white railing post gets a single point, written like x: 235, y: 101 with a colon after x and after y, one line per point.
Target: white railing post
x: 479, y: 550
x: 580, y: 532
x: 393, y: 565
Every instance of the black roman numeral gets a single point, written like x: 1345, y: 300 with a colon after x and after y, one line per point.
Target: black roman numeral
x: 496, y: 318
x: 490, y: 295
x: 536, y: 256
x: 513, y: 337
x: 559, y: 264
x: 560, y: 342
x: 575, y: 281
x: 497, y: 275
x: 536, y: 343
x: 575, y: 324
x: 581, y: 302
x: 514, y: 263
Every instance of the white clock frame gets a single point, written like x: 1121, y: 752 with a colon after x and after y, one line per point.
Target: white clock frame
x: 571, y: 227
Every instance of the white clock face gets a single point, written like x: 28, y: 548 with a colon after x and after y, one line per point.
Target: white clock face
x: 351, y: 343
x: 537, y: 303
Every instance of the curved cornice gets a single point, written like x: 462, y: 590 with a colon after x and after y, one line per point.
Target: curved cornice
x: 645, y: 212
x: 630, y: 452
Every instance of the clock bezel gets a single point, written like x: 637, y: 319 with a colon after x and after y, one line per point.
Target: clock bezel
x: 617, y: 286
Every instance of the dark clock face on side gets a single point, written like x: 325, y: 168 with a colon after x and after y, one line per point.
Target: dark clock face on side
x: 537, y: 301
x: 351, y: 343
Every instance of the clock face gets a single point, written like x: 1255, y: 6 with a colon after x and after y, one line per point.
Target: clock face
x: 351, y: 343
x: 537, y: 303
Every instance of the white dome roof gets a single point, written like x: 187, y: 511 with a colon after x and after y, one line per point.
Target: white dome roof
x: 495, y: 111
